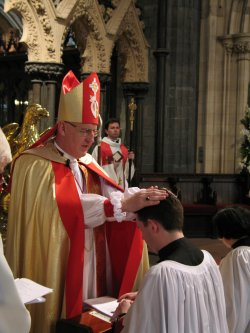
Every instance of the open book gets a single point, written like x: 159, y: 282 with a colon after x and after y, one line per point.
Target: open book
x: 106, y: 304
x: 30, y: 291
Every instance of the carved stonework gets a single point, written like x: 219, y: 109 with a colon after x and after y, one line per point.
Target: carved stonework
x: 89, y: 24
x: 44, y: 71
x: 228, y: 47
x: 38, y: 33
x: 227, y: 43
x: 125, y: 55
x: 114, y: 23
x: 47, y: 28
x: 238, y: 44
x: 241, y: 43
x: 107, y: 8
x: 46, y: 25
x: 132, y: 50
x: 56, y: 2
x: 107, y: 12
x: 29, y: 24
x: 241, y: 47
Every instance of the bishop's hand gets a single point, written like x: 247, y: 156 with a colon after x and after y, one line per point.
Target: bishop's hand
x: 143, y: 198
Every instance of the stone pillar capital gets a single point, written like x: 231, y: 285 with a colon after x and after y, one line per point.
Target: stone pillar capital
x: 228, y: 44
x: 44, y: 71
x: 161, y: 52
x: 238, y: 44
x: 241, y: 46
x: 137, y: 89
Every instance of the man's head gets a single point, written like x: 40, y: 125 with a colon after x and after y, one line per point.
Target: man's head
x: 112, y: 128
x: 75, y: 138
x: 161, y: 224
x: 232, y: 223
x: 78, y: 114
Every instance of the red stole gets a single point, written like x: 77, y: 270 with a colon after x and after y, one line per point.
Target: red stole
x: 107, y: 155
x: 71, y: 214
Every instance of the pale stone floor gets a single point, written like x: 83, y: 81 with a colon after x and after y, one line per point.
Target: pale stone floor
x: 214, y: 246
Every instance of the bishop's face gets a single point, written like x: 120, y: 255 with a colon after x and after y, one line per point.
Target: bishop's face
x: 78, y: 138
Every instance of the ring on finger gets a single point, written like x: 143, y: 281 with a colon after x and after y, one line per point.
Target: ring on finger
x: 147, y: 198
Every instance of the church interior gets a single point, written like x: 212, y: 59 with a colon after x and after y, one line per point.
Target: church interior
x: 184, y: 63
x: 175, y: 72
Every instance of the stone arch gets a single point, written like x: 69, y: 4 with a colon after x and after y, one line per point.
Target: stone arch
x: 37, y: 18
x: 237, y: 53
x: 9, y: 20
x: 97, y: 29
x: 225, y: 105
x: 49, y: 22
x: 90, y: 35
x: 238, y: 18
x: 132, y: 48
x: 123, y: 28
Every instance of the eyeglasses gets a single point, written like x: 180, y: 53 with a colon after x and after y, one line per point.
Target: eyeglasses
x: 84, y: 131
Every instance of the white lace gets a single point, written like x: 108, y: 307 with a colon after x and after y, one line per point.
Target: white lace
x: 116, y: 198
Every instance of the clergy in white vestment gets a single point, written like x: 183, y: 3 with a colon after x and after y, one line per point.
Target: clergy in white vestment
x: 14, y: 317
x: 113, y: 155
x: 233, y: 225
x: 184, y: 291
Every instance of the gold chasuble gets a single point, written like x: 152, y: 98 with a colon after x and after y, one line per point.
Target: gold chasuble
x: 45, y: 237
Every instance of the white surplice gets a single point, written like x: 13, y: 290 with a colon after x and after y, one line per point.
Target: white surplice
x: 235, y: 271
x: 118, y: 173
x: 14, y: 317
x: 176, y: 298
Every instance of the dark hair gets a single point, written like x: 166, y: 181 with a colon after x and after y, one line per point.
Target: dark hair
x: 169, y: 213
x: 232, y: 222
x: 111, y: 121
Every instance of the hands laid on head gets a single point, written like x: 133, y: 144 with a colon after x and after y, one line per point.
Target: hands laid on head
x: 143, y: 198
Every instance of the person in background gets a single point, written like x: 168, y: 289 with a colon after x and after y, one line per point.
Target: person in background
x: 60, y: 200
x: 114, y: 155
x: 5, y: 155
x: 233, y: 227
x: 184, y: 291
x: 14, y: 317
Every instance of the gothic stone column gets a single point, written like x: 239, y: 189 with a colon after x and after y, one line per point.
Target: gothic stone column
x: 242, y: 49
x: 227, y: 114
x: 161, y: 55
x: 44, y: 79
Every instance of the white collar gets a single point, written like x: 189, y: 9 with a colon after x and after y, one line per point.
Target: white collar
x: 112, y: 142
